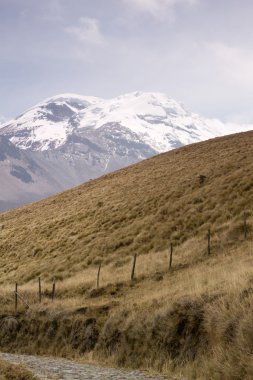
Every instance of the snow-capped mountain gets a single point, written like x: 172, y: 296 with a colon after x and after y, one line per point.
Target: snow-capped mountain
x: 69, y: 139
x: 158, y: 121
x: 47, y: 125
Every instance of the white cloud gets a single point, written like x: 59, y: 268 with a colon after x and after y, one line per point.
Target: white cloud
x: 158, y: 8
x: 234, y: 63
x: 87, y: 31
x: 2, y: 119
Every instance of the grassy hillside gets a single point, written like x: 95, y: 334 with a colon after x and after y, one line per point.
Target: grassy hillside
x: 195, y: 317
x: 135, y: 210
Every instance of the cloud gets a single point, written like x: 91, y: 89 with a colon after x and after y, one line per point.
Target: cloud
x: 234, y: 63
x: 87, y: 31
x: 2, y: 119
x: 158, y: 8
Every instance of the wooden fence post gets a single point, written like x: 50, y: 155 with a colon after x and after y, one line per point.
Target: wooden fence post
x: 171, y: 255
x: 133, y: 268
x: 39, y: 290
x: 53, y: 290
x: 209, y: 242
x: 16, y: 297
x: 98, y: 275
x: 245, y: 225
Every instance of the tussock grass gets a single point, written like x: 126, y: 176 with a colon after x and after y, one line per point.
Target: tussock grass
x: 14, y: 372
x: 134, y: 210
x: 191, y: 321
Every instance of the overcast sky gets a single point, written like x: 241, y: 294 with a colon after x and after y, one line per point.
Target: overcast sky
x: 197, y: 51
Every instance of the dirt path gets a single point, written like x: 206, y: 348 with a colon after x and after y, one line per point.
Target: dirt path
x: 60, y: 369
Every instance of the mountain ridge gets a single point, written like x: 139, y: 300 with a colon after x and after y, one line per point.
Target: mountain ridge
x: 69, y: 139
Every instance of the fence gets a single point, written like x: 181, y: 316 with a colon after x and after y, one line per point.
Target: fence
x: 52, y: 295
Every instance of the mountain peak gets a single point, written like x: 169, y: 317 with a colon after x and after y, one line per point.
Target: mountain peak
x: 70, y: 98
x: 68, y: 139
x: 151, y: 117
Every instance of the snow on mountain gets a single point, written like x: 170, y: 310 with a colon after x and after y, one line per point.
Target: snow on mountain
x: 68, y: 139
x: 46, y: 125
x: 157, y: 120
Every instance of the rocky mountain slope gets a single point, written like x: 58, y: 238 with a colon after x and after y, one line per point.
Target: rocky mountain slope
x: 68, y: 139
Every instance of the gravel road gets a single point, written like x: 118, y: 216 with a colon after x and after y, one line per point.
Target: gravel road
x: 61, y: 369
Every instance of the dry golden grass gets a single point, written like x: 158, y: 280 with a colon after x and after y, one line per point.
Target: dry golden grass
x: 135, y: 210
x: 14, y: 372
x: 193, y: 274
x: 178, y: 320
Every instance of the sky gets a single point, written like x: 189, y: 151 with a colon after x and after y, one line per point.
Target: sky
x: 199, y: 52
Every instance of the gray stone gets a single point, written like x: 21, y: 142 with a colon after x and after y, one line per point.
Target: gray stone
x: 61, y: 369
